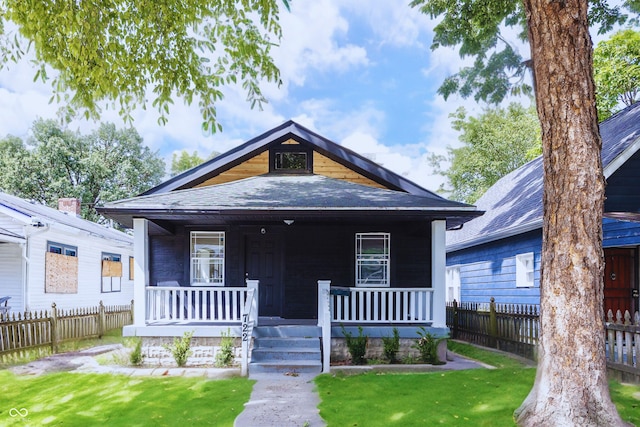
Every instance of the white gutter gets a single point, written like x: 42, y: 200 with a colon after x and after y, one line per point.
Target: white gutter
x: 502, y: 234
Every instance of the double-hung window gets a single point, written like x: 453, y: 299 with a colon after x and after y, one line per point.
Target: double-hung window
x: 372, y: 259
x: 207, y: 258
x: 524, y: 270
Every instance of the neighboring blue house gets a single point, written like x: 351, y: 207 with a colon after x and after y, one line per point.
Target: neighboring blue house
x: 498, y: 254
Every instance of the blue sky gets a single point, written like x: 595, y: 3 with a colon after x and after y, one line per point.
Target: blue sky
x: 358, y: 72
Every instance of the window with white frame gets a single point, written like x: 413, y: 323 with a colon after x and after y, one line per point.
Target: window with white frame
x: 207, y: 258
x: 372, y: 259
x: 524, y: 270
x: 453, y: 284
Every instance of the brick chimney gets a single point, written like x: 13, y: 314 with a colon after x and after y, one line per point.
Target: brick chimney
x: 70, y: 205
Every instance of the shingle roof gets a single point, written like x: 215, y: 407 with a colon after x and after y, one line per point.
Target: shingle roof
x: 513, y: 205
x: 291, y: 129
x: 45, y: 214
x: 287, y: 193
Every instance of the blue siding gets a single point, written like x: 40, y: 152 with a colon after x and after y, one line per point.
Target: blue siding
x: 489, y: 270
x: 620, y: 233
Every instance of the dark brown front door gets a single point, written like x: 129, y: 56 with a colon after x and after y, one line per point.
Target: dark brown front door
x: 619, y: 280
x: 263, y: 263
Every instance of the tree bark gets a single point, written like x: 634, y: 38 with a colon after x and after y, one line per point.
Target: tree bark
x: 571, y: 386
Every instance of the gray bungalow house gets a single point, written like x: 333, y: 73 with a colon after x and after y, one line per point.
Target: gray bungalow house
x: 498, y: 254
x: 307, y: 231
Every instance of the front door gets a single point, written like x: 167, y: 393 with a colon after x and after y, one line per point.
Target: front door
x: 263, y: 263
x: 619, y: 280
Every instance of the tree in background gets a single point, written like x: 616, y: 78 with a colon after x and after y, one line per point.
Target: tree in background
x: 106, y: 165
x: 496, y: 142
x: 124, y: 52
x: 571, y: 386
x: 186, y: 161
x: 616, y: 70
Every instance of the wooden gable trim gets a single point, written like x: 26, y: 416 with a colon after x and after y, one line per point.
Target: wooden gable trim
x: 254, y: 166
x: 259, y: 165
x: 322, y: 165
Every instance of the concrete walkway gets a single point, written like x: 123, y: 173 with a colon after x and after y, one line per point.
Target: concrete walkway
x: 281, y: 400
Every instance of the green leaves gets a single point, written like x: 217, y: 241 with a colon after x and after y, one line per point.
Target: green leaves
x: 616, y: 71
x: 475, y: 27
x: 118, y: 50
x: 495, y: 143
x: 108, y: 164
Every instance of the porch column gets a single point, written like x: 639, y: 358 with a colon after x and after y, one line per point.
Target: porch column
x: 140, y: 269
x: 324, y: 321
x: 438, y: 272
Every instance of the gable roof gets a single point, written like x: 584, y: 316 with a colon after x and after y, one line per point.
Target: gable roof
x: 24, y: 212
x: 277, y: 135
x: 513, y: 205
x: 275, y: 196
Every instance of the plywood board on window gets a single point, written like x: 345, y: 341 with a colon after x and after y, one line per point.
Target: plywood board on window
x: 61, y: 274
x: 257, y: 165
x: 111, y: 268
x: 131, y: 269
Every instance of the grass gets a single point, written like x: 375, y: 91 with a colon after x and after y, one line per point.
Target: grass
x: 102, y: 399
x: 479, y: 397
x: 113, y: 336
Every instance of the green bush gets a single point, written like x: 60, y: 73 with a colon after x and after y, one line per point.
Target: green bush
x: 181, y: 348
x: 224, y: 356
x: 427, y: 345
x: 357, y: 346
x: 136, y: 357
x: 391, y: 346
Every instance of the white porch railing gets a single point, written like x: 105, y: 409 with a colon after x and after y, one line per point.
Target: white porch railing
x: 188, y: 304
x: 387, y: 305
x: 369, y: 306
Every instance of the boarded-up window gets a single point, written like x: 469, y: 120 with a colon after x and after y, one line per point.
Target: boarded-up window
x: 131, y: 268
x: 111, y: 272
x: 61, y: 273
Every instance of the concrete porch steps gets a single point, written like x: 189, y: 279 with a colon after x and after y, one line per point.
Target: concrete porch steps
x: 282, y: 349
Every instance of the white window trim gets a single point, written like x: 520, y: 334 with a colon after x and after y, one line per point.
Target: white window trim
x: 525, y: 270
x: 384, y: 258
x: 453, y: 283
x: 216, y: 281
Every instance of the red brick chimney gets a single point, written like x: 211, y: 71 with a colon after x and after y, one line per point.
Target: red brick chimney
x: 70, y: 205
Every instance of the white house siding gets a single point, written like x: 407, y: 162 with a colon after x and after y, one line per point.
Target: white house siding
x: 90, y: 249
x: 11, y: 275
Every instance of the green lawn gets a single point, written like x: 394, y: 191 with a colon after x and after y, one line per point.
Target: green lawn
x: 479, y: 397
x: 101, y: 399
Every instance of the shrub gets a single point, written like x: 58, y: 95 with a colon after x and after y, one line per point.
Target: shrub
x: 136, y: 357
x: 357, y: 346
x: 427, y: 345
x: 391, y: 346
x: 181, y: 348
x: 224, y: 356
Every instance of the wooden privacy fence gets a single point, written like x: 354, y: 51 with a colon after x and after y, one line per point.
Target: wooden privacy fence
x: 623, y: 345
x: 509, y: 327
x: 36, y: 330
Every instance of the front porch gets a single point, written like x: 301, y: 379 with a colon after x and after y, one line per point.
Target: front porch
x: 210, y: 312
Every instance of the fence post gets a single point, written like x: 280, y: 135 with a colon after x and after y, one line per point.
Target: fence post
x: 54, y: 328
x: 132, y: 311
x: 101, y: 320
x: 454, y: 331
x: 493, y: 324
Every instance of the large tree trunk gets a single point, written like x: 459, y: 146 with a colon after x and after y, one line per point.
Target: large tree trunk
x: 571, y: 383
